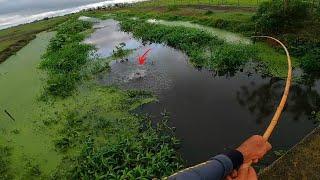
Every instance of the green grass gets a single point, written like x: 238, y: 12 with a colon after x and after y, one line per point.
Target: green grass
x: 275, y: 62
x: 235, y: 20
x: 13, y: 39
x: 99, y: 137
x: 65, y: 58
x: 253, y: 3
x: 301, y: 162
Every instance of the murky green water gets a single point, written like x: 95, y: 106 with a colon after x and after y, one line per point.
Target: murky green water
x: 221, y: 34
x: 21, y: 84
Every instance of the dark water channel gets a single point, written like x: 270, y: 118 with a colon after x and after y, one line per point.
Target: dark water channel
x: 211, y: 113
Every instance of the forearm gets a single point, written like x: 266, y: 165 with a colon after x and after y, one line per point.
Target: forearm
x: 216, y: 168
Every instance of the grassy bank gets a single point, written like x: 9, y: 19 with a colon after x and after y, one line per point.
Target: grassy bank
x: 204, y: 2
x: 232, y: 19
x: 13, y: 39
x: 301, y: 162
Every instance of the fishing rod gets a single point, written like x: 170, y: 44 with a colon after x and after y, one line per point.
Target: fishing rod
x: 276, y: 117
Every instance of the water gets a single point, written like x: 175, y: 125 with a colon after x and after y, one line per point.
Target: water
x: 211, y: 113
x: 21, y: 85
x: 13, y: 13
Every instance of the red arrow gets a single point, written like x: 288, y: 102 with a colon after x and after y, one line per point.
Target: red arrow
x: 142, y: 59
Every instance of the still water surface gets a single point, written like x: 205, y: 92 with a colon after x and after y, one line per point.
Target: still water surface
x: 211, y: 113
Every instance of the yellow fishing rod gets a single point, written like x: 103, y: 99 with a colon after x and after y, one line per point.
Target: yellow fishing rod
x: 276, y: 117
x: 277, y: 114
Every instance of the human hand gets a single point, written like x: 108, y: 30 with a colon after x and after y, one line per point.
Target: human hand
x: 254, y: 149
x: 244, y: 173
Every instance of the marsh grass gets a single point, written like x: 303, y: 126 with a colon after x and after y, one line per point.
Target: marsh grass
x: 100, y: 138
x: 65, y: 58
x: 204, y: 49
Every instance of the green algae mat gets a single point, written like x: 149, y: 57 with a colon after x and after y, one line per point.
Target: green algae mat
x: 21, y: 86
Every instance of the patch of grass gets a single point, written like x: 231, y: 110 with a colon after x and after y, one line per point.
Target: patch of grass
x: 202, y: 2
x: 301, y: 162
x: 119, y: 52
x: 310, y: 63
x: 227, y: 58
x: 66, y: 57
x: 100, y: 138
x: 13, y: 39
x: 236, y: 21
x: 276, y: 63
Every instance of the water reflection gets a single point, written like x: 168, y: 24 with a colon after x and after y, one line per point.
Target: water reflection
x: 211, y: 111
x: 262, y: 100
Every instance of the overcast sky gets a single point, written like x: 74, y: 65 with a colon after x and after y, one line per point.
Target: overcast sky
x: 15, y: 12
x: 30, y: 6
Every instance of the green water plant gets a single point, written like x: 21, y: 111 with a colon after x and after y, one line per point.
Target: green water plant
x: 65, y: 58
x: 204, y: 49
x: 101, y: 138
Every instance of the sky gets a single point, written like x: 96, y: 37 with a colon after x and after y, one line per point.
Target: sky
x: 15, y: 12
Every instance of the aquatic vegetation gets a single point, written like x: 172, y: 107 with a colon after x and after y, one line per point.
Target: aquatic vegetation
x: 311, y: 61
x: 204, y: 49
x: 94, y: 123
x: 109, y: 141
x: 65, y: 57
x: 5, y: 153
x: 119, y: 51
x: 226, y: 57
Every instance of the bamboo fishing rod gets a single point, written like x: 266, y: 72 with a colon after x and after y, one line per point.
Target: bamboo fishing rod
x: 275, y: 119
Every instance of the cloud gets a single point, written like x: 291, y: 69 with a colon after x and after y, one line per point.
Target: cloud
x: 16, y: 19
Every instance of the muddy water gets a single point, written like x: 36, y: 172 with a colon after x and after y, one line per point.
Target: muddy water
x: 211, y: 113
